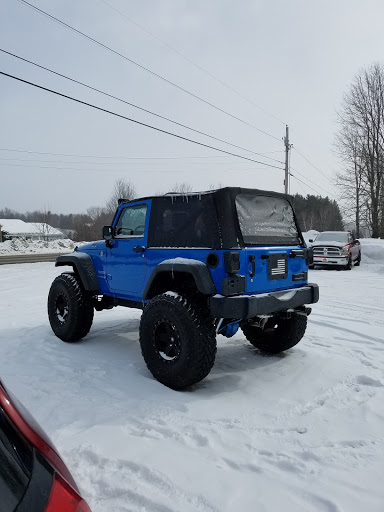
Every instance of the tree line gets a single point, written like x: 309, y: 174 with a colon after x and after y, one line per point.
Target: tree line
x: 318, y: 213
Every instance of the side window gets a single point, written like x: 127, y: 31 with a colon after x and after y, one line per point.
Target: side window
x: 131, y: 222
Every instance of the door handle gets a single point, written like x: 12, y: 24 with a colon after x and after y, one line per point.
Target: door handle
x: 138, y: 248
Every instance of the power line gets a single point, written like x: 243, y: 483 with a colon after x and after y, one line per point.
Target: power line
x: 77, y: 169
x: 135, y: 106
x: 119, y: 157
x: 306, y: 184
x: 191, y: 61
x: 134, y: 120
x: 131, y: 163
x: 313, y: 165
x: 299, y: 183
x: 316, y: 185
x: 145, y: 68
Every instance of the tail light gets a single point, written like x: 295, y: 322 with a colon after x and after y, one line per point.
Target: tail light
x: 64, y: 495
x: 29, y: 427
x: 232, y: 262
x: 64, y: 499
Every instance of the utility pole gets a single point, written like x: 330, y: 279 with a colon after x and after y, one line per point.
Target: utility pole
x: 287, y: 150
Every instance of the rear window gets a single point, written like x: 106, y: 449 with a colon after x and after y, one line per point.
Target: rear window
x: 184, y: 221
x: 16, y: 459
x: 266, y: 220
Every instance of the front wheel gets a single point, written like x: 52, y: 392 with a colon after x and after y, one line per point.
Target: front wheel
x: 278, y: 334
x: 358, y: 260
x: 70, y: 308
x: 178, y: 341
x: 348, y: 266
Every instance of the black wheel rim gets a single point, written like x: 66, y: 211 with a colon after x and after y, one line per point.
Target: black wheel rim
x: 61, y: 308
x: 166, y: 341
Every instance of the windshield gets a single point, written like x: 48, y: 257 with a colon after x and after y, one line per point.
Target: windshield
x: 332, y: 237
x: 266, y: 220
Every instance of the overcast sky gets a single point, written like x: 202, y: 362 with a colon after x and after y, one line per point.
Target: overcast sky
x: 293, y: 59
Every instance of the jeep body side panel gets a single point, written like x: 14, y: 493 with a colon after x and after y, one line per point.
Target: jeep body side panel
x: 82, y: 263
x: 197, y: 269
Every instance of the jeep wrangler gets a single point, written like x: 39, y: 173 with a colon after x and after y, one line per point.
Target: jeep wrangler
x: 198, y: 265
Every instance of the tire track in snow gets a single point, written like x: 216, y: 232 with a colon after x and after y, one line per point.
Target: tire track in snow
x: 133, y: 482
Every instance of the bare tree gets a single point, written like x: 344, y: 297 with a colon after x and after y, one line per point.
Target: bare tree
x: 99, y: 217
x: 182, y: 188
x: 351, y: 181
x: 43, y: 224
x: 360, y: 144
x: 122, y: 190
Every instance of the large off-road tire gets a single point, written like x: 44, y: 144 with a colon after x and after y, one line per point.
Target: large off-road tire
x: 178, y: 340
x: 70, y: 308
x: 358, y: 260
x: 278, y: 334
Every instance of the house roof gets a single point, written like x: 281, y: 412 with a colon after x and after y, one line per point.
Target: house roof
x: 19, y: 227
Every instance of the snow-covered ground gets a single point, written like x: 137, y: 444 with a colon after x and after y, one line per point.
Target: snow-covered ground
x: 23, y: 246
x: 302, y: 432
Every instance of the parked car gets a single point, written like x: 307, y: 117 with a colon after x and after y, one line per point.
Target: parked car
x: 197, y: 264
x: 33, y: 477
x: 336, y: 248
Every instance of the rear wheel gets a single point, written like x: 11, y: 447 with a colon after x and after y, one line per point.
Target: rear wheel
x: 278, y: 334
x: 178, y: 341
x: 70, y: 308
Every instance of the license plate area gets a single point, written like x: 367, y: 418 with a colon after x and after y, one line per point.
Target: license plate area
x: 277, y: 266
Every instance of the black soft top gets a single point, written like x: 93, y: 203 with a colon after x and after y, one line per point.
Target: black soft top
x: 198, y: 219
x: 220, y: 192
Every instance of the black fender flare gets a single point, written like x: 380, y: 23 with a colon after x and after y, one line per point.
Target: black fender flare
x: 196, y: 268
x: 82, y: 263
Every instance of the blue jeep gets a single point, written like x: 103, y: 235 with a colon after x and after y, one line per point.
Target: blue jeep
x: 197, y: 265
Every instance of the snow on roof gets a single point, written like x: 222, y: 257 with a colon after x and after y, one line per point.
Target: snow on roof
x: 19, y: 227
x: 14, y: 226
x: 41, y: 227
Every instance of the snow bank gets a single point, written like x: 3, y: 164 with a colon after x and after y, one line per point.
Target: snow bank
x: 23, y: 246
x: 372, y: 253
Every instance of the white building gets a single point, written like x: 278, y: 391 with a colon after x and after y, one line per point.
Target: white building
x: 16, y: 228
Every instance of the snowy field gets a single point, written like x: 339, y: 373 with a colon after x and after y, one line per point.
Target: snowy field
x: 300, y: 432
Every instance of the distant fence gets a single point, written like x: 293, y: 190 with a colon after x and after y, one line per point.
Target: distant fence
x: 27, y: 258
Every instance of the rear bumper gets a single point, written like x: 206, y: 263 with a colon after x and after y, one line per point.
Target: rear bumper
x: 248, y: 306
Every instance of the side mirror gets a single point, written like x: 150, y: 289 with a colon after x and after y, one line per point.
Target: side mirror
x: 107, y: 232
x: 311, y: 240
